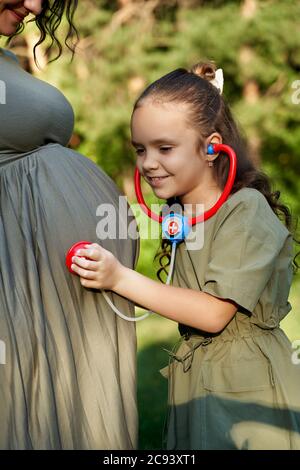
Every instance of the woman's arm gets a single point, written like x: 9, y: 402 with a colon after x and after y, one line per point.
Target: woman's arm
x: 193, y: 308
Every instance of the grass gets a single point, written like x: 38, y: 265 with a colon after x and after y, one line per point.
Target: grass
x: 154, y: 334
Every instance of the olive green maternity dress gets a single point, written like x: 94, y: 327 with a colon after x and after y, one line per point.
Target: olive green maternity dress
x: 240, y: 388
x: 67, y: 363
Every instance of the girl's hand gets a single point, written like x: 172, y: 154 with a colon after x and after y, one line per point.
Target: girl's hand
x: 101, y: 271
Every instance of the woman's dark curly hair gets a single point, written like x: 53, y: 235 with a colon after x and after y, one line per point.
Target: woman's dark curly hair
x: 209, y: 112
x: 48, y: 22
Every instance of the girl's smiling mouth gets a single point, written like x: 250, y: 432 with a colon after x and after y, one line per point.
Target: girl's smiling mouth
x: 156, y: 180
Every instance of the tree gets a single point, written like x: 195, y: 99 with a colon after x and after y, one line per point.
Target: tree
x: 126, y: 44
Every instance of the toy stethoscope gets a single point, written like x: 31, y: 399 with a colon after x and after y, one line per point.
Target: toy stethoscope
x: 175, y: 227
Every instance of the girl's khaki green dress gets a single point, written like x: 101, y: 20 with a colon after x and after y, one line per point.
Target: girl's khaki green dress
x: 67, y: 363
x: 238, y: 389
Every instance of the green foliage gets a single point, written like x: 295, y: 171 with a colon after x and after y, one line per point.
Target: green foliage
x: 150, y: 236
x: 122, y: 50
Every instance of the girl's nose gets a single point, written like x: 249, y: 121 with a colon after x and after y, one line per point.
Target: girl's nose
x: 150, y: 162
x: 34, y: 6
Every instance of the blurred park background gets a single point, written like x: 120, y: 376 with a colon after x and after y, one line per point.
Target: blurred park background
x: 124, y: 45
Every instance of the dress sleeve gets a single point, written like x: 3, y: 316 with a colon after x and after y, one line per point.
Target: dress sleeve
x: 243, y: 253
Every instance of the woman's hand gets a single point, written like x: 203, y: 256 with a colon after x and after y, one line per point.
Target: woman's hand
x: 101, y: 271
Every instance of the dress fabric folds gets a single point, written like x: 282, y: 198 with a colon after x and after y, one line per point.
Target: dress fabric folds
x: 68, y: 363
x: 239, y: 388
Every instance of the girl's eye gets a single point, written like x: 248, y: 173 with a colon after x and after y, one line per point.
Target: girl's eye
x: 139, y: 151
x: 165, y: 149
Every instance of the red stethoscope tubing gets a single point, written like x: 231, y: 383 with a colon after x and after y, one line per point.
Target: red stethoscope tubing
x: 202, y: 217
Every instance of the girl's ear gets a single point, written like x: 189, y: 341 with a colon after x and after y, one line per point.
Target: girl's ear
x: 214, y: 138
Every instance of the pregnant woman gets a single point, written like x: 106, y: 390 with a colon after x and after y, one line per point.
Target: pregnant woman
x: 67, y: 380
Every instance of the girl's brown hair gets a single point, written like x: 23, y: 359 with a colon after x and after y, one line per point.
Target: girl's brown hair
x: 208, y: 112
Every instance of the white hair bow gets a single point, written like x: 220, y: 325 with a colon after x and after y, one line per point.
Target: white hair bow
x: 218, y: 81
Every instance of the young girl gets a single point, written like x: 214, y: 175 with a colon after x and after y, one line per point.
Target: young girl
x: 232, y: 381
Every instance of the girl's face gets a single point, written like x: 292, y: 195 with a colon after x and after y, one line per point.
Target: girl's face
x: 13, y: 12
x: 167, y: 152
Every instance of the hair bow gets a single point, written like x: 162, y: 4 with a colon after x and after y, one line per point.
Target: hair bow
x: 218, y: 81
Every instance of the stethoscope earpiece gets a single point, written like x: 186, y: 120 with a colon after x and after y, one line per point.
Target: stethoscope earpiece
x: 210, y: 149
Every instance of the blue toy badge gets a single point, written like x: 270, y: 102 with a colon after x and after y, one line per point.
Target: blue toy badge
x: 175, y: 227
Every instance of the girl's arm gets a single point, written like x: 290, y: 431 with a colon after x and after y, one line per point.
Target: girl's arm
x: 193, y: 308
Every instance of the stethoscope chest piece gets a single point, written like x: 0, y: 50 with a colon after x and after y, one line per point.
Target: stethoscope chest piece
x: 175, y: 227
